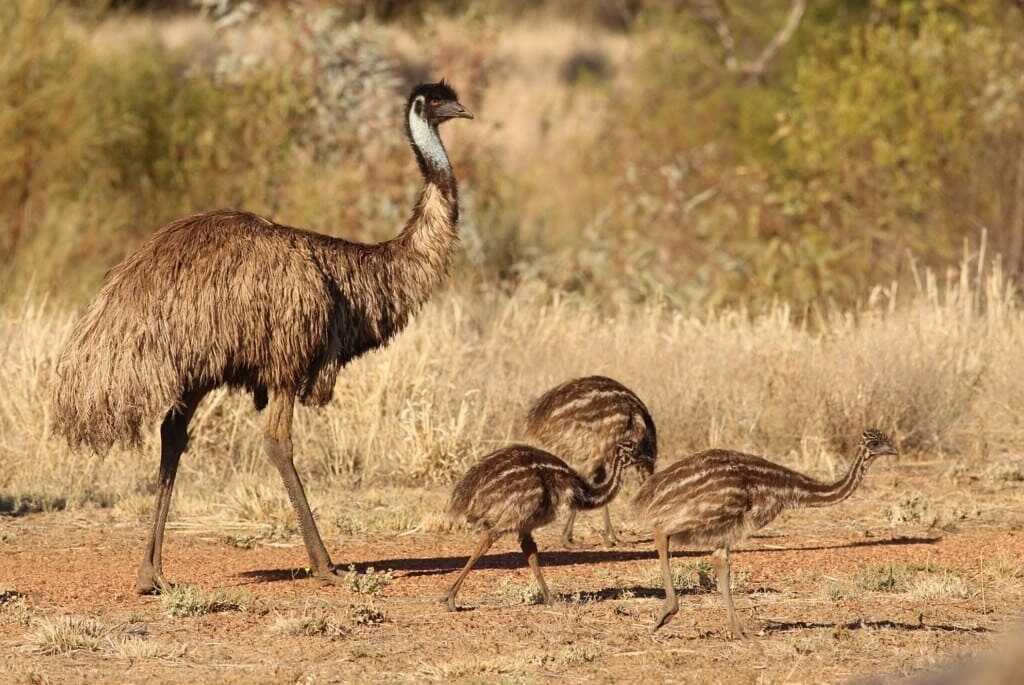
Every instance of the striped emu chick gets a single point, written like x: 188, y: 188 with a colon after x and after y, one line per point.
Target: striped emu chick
x: 519, y: 489
x: 716, y: 498
x: 583, y: 420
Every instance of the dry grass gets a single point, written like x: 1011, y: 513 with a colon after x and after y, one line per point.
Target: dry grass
x: 71, y: 634
x: 940, y: 368
x: 310, y: 624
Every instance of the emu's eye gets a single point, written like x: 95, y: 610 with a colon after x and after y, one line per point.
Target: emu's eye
x: 434, y: 102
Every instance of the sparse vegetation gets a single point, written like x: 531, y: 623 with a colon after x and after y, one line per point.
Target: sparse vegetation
x: 775, y: 393
x: 510, y: 591
x: 918, y: 581
x: 191, y: 600
x: 320, y: 624
x: 369, y: 582
x: 67, y: 634
x: 367, y: 614
x: 772, y: 263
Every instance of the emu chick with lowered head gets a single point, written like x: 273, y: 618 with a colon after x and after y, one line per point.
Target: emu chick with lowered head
x: 519, y: 489
x: 582, y: 420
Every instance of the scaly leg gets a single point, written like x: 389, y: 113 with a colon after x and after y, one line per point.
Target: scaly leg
x: 610, y: 538
x: 671, y: 605
x: 277, y: 443
x: 567, y: 532
x: 173, y: 442
x: 530, y: 551
x: 720, y: 559
x: 486, y: 540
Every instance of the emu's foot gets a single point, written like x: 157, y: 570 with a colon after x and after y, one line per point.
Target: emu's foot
x: 150, y: 582
x: 448, y: 601
x: 667, y: 612
x: 610, y: 540
x: 329, y: 576
x: 568, y: 542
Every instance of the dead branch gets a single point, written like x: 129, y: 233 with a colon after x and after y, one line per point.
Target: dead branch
x: 716, y: 13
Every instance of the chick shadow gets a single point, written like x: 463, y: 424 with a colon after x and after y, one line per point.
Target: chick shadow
x: 898, y: 541
x: 770, y: 627
x: 643, y: 592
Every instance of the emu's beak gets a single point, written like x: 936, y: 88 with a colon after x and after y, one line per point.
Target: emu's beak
x: 454, y: 110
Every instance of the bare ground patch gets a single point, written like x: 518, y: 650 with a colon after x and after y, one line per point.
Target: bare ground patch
x: 834, y: 594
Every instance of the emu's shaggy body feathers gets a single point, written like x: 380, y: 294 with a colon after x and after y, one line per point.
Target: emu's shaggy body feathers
x: 231, y: 298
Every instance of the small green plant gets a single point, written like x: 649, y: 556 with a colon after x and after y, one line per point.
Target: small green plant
x: 190, y: 600
x: 370, y: 582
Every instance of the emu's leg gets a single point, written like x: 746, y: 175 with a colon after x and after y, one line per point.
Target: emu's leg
x: 671, y: 605
x: 486, y: 540
x: 567, y: 531
x: 530, y: 550
x: 277, y: 443
x: 173, y: 442
x: 720, y: 559
x: 610, y: 538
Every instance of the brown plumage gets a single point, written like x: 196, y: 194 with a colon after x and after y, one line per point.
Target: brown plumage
x: 231, y: 298
x: 716, y: 498
x: 583, y: 420
x: 519, y: 489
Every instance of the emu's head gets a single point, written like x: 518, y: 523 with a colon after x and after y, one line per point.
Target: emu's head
x: 436, y: 103
x: 875, y: 443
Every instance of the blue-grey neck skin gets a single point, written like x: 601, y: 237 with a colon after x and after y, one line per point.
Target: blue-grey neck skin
x: 430, y: 152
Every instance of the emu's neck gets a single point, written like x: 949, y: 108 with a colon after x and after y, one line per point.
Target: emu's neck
x: 588, y: 495
x: 388, y: 282
x: 430, y: 152
x: 812, y: 493
x: 424, y: 247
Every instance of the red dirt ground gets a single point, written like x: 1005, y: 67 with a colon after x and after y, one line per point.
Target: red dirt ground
x: 84, y: 563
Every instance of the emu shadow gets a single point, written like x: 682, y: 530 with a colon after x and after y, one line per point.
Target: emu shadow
x: 860, y: 624
x: 431, y: 566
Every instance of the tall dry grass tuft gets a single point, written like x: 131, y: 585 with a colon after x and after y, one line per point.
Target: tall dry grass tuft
x: 938, y: 367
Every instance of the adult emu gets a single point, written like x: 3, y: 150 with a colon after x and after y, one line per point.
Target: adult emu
x: 231, y: 298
